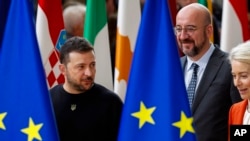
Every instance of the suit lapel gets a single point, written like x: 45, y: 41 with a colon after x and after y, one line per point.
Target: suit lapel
x: 183, y: 63
x: 209, y: 74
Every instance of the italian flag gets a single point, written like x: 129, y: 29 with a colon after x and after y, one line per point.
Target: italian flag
x: 129, y: 17
x: 234, y: 24
x: 96, y: 32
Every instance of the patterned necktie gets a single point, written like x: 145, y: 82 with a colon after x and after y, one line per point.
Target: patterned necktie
x: 192, y: 84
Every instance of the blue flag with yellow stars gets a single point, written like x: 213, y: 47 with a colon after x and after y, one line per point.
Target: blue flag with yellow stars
x: 156, y: 106
x: 25, y: 108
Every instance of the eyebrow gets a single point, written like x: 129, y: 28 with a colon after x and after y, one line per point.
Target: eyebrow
x: 186, y: 26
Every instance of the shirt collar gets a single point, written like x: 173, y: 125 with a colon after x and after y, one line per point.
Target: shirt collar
x: 202, y: 62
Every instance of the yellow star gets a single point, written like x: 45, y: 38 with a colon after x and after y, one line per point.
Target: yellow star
x: 185, y: 124
x: 2, y: 116
x: 144, y: 115
x: 33, y: 130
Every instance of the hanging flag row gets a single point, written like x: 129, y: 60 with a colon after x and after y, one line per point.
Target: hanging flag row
x: 146, y: 60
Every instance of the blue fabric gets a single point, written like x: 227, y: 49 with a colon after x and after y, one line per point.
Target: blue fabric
x: 156, y: 83
x: 25, y: 100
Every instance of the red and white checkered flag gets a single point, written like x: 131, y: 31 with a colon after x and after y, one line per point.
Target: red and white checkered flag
x: 50, y: 34
x: 53, y: 74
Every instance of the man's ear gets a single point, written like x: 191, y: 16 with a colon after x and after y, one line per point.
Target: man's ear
x: 62, y: 68
x: 210, y: 30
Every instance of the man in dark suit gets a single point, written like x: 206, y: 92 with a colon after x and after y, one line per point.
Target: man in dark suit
x: 214, y: 91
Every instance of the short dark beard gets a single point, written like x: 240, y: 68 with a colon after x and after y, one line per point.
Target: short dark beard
x: 73, y: 84
x: 197, y: 48
x: 195, y: 51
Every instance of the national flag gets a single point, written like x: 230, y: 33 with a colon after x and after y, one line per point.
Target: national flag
x: 129, y: 16
x: 51, y: 35
x: 156, y: 106
x: 234, y: 29
x: 96, y: 31
x: 25, y: 109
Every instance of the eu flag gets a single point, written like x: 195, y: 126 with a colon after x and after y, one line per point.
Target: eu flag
x: 156, y: 105
x: 25, y: 106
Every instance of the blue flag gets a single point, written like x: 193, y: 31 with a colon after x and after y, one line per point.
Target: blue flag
x: 156, y: 105
x: 25, y: 108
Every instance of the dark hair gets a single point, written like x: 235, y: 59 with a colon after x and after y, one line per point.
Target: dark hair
x: 74, y: 44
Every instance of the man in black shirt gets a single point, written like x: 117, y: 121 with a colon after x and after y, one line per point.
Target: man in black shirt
x: 84, y: 110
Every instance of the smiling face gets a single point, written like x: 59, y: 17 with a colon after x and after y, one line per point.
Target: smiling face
x: 241, y: 77
x: 195, y: 30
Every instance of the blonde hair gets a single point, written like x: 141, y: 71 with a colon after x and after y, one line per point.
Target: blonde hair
x: 241, y: 53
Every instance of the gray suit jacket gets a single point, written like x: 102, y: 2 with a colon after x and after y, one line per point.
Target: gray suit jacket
x: 214, y: 96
